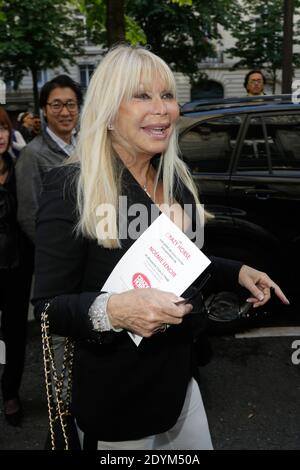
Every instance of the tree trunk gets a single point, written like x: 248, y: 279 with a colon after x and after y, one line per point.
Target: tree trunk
x: 287, y: 63
x: 274, y: 78
x: 115, y: 21
x: 35, y: 91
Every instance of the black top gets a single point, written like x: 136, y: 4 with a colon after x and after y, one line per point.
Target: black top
x: 8, y: 217
x: 27, y: 134
x: 120, y: 391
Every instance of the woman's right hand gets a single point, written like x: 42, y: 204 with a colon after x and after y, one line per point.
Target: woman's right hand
x: 146, y: 311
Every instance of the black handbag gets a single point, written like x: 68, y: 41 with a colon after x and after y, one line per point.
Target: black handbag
x: 63, y: 433
x: 60, y: 439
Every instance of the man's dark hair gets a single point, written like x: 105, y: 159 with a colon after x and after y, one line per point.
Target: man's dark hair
x: 250, y: 73
x: 61, y: 81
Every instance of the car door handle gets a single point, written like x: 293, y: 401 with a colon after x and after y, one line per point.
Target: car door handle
x: 262, y: 194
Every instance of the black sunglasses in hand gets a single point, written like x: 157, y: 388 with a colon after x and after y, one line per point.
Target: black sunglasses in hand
x: 197, y: 291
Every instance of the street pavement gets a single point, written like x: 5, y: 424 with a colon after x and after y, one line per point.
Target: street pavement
x: 251, y: 391
x: 32, y: 434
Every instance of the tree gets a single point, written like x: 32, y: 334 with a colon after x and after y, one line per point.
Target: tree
x: 115, y: 21
x: 259, y: 37
x: 287, y: 46
x: 182, y: 32
x: 101, y: 26
x: 2, y: 17
x: 35, y: 35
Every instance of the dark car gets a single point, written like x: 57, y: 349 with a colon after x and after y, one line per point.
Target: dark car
x: 244, y: 155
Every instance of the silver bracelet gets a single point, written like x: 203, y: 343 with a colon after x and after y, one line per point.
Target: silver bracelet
x: 98, y: 314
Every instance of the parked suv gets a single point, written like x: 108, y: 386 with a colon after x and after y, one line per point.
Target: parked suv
x: 244, y: 155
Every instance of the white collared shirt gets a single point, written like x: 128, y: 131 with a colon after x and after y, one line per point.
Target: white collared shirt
x: 68, y: 148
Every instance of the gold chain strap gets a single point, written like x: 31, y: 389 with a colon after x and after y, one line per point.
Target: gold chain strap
x: 58, y: 406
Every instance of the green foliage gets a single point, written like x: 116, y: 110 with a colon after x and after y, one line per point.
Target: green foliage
x: 259, y: 36
x: 182, y: 2
x: 95, y: 13
x: 134, y: 33
x: 183, y: 33
x: 2, y: 16
x: 36, y: 34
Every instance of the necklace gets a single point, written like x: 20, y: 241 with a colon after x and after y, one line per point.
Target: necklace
x: 146, y: 191
x: 145, y: 185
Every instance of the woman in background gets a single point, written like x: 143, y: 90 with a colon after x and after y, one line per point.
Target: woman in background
x: 26, y: 125
x: 15, y: 280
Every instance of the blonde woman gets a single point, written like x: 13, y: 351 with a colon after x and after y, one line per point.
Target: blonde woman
x: 124, y: 396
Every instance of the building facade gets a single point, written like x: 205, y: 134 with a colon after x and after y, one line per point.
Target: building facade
x: 221, y: 81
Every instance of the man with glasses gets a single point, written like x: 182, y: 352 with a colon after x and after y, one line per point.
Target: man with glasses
x: 254, y: 83
x: 60, y: 100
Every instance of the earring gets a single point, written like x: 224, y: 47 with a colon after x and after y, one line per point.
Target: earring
x: 110, y: 126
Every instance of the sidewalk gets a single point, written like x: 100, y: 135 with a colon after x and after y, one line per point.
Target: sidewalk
x: 32, y: 434
x: 250, y: 389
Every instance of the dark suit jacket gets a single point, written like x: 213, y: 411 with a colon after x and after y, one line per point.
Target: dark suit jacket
x: 120, y: 391
x: 38, y: 157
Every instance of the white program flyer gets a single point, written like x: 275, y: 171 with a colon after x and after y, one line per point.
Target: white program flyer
x: 163, y: 257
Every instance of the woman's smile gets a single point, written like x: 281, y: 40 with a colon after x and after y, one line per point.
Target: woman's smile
x: 157, y: 131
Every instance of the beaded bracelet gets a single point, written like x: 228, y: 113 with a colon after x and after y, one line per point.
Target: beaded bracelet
x: 98, y: 314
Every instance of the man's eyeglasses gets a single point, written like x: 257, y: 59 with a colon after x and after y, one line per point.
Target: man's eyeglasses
x: 57, y: 106
x: 259, y: 81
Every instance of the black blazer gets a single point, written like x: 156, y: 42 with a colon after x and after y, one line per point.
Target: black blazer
x: 120, y: 391
x: 9, y: 230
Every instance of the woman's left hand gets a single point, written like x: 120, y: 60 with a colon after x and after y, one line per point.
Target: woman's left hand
x: 259, y: 284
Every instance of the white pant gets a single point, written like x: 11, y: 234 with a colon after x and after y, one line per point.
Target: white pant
x: 190, y: 432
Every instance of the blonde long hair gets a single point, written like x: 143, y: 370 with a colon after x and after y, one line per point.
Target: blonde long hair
x: 116, y: 78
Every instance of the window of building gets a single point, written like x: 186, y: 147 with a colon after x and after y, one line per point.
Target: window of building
x: 42, y: 77
x: 86, y: 72
x: 206, y: 89
x: 9, y: 85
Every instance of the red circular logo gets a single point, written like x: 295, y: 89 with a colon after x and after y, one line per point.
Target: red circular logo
x: 140, y: 281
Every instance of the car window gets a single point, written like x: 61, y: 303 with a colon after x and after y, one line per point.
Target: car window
x: 272, y: 143
x: 253, y: 155
x: 284, y: 136
x: 207, y: 146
